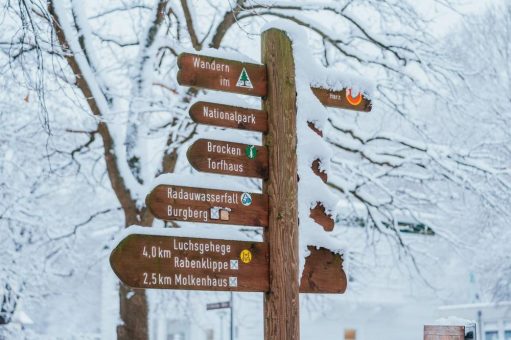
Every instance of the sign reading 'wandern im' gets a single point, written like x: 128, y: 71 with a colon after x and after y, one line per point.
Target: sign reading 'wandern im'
x: 151, y: 261
x: 221, y: 74
x: 229, y: 158
x: 179, y: 203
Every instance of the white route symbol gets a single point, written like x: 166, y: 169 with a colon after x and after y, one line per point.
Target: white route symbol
x: 244, y: 80
x: 246, y: 199
x: 234, y: 265
x: 233, y: 281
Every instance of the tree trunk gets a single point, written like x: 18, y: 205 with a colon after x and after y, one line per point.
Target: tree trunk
x: 133, y: 313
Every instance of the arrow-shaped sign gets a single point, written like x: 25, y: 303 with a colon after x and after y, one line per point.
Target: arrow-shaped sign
x: 208, y: 155
x: 150, y: 261
x: 179, y: 203
x: 342, y: 99
x: 229, y: 116
x: 168, y: 262
x: 221, y: 74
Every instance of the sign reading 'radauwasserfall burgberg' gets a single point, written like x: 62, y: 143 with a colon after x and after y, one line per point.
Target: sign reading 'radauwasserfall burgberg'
x: 188, y: 204
x: 150, y: 261
x: 221, y: 74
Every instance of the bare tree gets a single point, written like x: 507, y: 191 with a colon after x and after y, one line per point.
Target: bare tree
x: 483, y: 46
x: 119, y: 61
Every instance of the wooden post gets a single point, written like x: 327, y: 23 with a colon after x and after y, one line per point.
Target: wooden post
x: 281, y: 303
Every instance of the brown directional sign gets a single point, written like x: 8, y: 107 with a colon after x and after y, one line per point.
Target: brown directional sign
x: 342, y: 99
x: 150, y: 261
x: 323, y: 273
x: 179, y: 203
x: 168, y: 262
x: 221, y: 74
x: 229, y: 116
x: 228, y: 158
x: 318, y: 214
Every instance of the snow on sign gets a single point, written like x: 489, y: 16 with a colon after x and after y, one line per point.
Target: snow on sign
x: 229, y: 116
x: 208, y: 155
x: 168, y: 262
x: 323, y: 273
x: 221, y: 74
x: 343, y: 99
x: 179, y: 203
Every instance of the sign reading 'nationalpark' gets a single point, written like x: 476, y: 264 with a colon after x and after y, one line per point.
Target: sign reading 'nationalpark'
x: 179, y: 203
x: 150, y: 261
x: 229, y: 158
x: 221, y: 74
x: 229, y: 116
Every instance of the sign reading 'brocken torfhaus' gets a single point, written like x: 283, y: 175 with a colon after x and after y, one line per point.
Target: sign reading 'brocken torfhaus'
x: 221, y: 74
x: 180, y: 203
x: 150, y: 261
x: 229, y: 116
x: 229, y: 158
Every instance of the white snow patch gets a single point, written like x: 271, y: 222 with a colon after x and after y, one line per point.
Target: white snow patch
x: 225, y: 99
x: 453, y: 321
x: 317, y: 75
x: 220, y: 53
x: 207, y: 181
x: 193, y: 231
x: 311, y: 189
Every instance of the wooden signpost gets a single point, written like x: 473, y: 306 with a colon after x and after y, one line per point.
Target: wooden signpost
x: 168, y: 262
x: 229, y: 158
x: 179, y: 203
x: 150, y: 261
x: 229, y: 116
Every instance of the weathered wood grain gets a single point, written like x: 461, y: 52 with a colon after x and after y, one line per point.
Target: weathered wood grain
x: 281, y: 303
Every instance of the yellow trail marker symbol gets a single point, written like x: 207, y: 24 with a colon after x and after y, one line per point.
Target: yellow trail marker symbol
x: 246, y: 256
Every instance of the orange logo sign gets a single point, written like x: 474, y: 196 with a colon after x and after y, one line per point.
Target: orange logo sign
x: 353, y: 100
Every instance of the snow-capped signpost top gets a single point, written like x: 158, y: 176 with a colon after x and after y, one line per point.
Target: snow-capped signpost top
x: 295, y: 209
